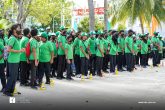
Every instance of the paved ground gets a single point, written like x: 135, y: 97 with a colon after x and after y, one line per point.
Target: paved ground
x: 140, y: 90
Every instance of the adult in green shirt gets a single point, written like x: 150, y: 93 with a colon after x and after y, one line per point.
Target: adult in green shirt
x: 138, y: 57
x: 154, y: 47
x: 2, y: 67
x: 99, y: 52
x: 129, y: 51
x: 113, y: 52
x: 61, y: 53
x: 160, y: 49
x: 144, y: 51
x: 69, y: 57
x: 13, y: 59
x: 84, y: 55
x: 34, y: 57
x: 120, y: 49
x: 92, y: 52
x: 24, y: 66
x: 76, y: 49
x: 53, y: 40
x: 46, y: 55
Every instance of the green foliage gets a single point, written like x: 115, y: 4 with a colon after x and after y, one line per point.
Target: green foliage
x: 84, y: 25
x: 121, y: 27
x: 5, y: 24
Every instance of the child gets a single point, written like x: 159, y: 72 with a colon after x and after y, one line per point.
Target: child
x: 69, y: 57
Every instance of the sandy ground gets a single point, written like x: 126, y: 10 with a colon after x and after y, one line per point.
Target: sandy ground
x: 140, y: 90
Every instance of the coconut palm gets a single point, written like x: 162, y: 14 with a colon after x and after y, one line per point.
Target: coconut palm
x: 91, y: 15
x: 143, y: 10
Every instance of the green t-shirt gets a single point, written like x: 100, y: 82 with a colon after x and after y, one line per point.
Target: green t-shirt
x: 113, y: 48
x: 69, y: 47
x: 135, y: 48
x: 144, y: 49
x: 92, y: 44
x: 138, y: 42
x: 109, y: 38
x: 106, y: 43
x: 1, y: 41
x: 76, y: 46
x: 45, y: 50
x: 34, y: 44
x: 154, y: 40
x: 129, y: 41
x: 121, y: 42
x: 149, y: 43
x: 54, y: 47
x: 23, y: 43
x: 84, y: 45
x: 1, y: 52
x: 14, y: 43
x: 99, y: 42
x: 161, y: 46
x: 61, y: 39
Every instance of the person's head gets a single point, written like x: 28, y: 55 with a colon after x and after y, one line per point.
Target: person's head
x: 53, y: 37
x: 84, y: 36
x: 78, y: 34
x: 34, y: 34
x: 26, y: 32
x: 121, y: 33
x: 69, y: 39
x: 115, y: 37
x: 63, y: 30
x: 1, y: 34
x: 156, y: 34
x: 160, y: 37
x: 92, y: 34
x: 48, y: 29
x: 100, y: 34
x: 16, y: 30
x: 44, y: 37
x: 134, y: 39
x: 130, y: 32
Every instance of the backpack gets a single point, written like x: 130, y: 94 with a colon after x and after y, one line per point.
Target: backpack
x: 27, y: 50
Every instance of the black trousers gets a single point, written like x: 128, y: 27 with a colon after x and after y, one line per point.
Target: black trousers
x: 69, y: 69
x: 54, y: 66
x: 33, y: 75
x: 160, y: 57
x: 61, y: 65
x: 44, y: 67
x: 24, y: 67
x: 144, y: 60
x: 155, y: 57
x: 120, y: 60
x: 92, y: 64
x: 112, y: 63
x: 129, y: 61
x: 138, y: 58
x: 77, y: 62
x: 134, y: 61
x: 84, y: 66
x: 105, y: 62
x: 12, y: 78
x: 2, y: 75
x: 99, y: 64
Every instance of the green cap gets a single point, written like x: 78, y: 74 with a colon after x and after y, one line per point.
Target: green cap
x: 156, y: 33
x: 84, y: 34
x: 92, y: 33
x: 62, y: 28
x: 68, y: 31
x: 159, y: 36
x: 57, y: 33
x: 99, y: 32
x: 44, y: 35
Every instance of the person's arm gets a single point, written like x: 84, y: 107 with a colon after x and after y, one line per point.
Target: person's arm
x: 102, y: 53
x: 82, y: 50
x: 1, y: 56
x: 62, y: 47
x: 15, y: 51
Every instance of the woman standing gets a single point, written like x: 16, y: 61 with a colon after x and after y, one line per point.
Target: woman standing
x: 13, y: 59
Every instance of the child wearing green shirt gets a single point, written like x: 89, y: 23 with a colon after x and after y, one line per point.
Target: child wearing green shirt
x: 69, y: 57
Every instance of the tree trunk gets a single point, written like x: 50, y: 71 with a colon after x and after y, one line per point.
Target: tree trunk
x: 91, y: 15
x: 141, y: 25
x: 22, y: 11
x: 105, y: 15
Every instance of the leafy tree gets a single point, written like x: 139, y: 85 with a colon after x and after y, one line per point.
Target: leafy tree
x: 143, y: 10
x: 84, y: 24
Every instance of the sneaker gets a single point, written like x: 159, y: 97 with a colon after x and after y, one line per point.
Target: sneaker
x: 34, y: 87
x: 2, y: 90
x: 8, y: 94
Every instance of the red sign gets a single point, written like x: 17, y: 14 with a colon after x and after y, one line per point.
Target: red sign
x: 82, y: 12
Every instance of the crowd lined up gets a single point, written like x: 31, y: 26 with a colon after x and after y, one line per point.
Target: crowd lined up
x: 27, y: 55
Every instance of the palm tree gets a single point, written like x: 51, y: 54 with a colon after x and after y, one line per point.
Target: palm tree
x: 143, y: 10
x: 105, y: 15
x: 91, y: 15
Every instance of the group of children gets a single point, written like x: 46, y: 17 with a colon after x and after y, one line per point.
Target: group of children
x: 31, y: 54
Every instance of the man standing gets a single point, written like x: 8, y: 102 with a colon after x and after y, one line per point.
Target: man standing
x: 61, y: 53
x: 24, y: 66
x: 129, y: 51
